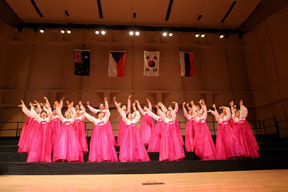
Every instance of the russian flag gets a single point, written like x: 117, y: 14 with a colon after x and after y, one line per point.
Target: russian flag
x: 187, y: 64
x: 116, y: 63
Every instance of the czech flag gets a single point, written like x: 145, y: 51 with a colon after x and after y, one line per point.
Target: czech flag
x: 116, y: 63
x: 187, y: 64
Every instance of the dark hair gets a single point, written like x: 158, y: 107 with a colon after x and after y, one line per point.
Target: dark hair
x: 128, y: 114
x: 43, y: 112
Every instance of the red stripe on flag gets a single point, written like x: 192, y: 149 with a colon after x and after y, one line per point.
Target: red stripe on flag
x: 121, y: 66
x: 191, y: 58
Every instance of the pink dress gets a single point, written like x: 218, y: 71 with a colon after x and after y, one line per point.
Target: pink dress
x: 122, y: 124
x: 227, y: 145
x: 24, y: 131
x: 203, y: 143
x: 189, y: 132
x: 155, y: 139
x: 109, y: 129
x: 171, y: 148
x: 40, y: 150
x: 147, y: 124
x: 101, y: 145
x: 132, y: 148
x: 79, y: 127
x: 55, y: 127
x: 244, y: 134
x: 67, y: 147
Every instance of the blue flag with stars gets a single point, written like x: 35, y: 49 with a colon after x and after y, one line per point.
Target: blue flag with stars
x: 82, y: 62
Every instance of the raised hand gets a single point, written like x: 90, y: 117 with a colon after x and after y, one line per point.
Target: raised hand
x: 192, y: 103
x: 105, y: 99
x: 147, y: 100
x: 129, y: 97
x: 231, y: 103
x: 241, y: 102
x: 214, y: 106
x: 88, y: 103
x: 183, y: 105
x: 45, y: 98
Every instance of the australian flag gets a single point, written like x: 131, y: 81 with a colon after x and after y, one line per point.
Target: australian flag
x: 82, y: 62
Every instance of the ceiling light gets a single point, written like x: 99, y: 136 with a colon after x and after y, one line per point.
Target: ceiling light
x: 62, y: 31
x: 103, y: 32
x: 170, y: 34
x: 131, y: 33
x: 97, y: 32
x: 202, y: 35
x: 69, y: 31
x: 164, y: 34
x: 137, y: 33
x: 41, y: 30
x: 221, y: 36
x: 197, y: 35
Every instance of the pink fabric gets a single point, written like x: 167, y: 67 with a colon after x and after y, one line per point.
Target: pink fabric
x: 244, y: 134
x: 110, y: 132
x: 146, y: 128
x: 178, y: 132
x: 67, y: 147
x: 55, y: 127
x: 132, y: 147
x: 203, y: 143
x: 28, y: 137
x: 101, y: 145
x: 227, y: 145
x: 189, y: 135
x: 79, y: 127
x: 121, y: 131
x: 40, y: 150
x: 24, y: 131
x: 155, y: 139
x: 171, y: 148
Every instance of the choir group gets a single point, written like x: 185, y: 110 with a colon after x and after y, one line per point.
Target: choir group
x: 47, y: 131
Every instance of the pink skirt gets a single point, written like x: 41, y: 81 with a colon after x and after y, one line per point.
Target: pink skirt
x: 24, y: 131
x: 40, y: 150
x: 155, y: 139
x: 247, y: 140
x: 189, y: 135
x: 55, y: 127
x: 79, y: 127
x: 101, y: 145
x: 121, y: 132
x: 67, y: 147
x: 171, y: 148
x: 132, y: 147
x: 227, y: 145
x: 146, y: 128
x: 178, y: 132
x: 203, y: 143
x: 110, y: 132
x: 28, y: 137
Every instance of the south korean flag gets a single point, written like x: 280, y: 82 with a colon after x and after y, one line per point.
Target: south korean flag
x: 151, y: 63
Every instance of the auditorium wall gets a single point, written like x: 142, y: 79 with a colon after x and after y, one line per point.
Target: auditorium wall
x: 266, y: 48
x: 34, y: 65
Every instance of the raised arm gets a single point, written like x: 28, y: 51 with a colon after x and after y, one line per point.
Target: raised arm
x: 243, y: 112
x: 48, y: 106
x: 228, y: 112
x: 204, y: 108
x: 138, y: 116
x: 149, y: 104
x: 163, y: 108
x: 162, y: 115
x: 107, y: 116
x: 140, y: 108
x: 93, y: 110
x: 184, y: 110
x: 90, y: 118
x: 129, y: 103
x: 153, y: 115
x: 215, y: 113
x: 176, y: 107
x: 60, y: 116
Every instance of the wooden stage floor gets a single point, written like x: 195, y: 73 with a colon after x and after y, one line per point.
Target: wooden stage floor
x: 266, y: 180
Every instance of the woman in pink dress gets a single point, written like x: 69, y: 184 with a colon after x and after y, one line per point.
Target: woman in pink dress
x: 177, y: 127
x: 30, y: 130
x: 147, y: 124
x: 101, y: 145
x: 171, y: 148
x: 243, y: 132
x: 122, y: 125
x: 227, y: 145
x: 189, y: 129
x: 79, y: 127
x: 67, y: 147
x: 155, y: 139
x: 103, y: 110
x: 203, y: 143
x: 40, y: 150
x: 132, y: 148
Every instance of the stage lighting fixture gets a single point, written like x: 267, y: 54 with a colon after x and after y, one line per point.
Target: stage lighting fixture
x: 103, y: 32
x: 164, y: 34
x: 137, y: 33
x: 221, y: 36
x: 97, y: 32
x: 69, y: 31
x: 41, y: 30
x: 35, y: 30
x: 170, y: 34
x: 202, y: 35
x: 226, y: 35
x: 62, y: 31
x: 197, y: 35
x: 131, y: 33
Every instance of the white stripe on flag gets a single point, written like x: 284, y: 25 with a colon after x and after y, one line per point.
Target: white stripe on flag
x: 112, y: 69
x: 182, y: 63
